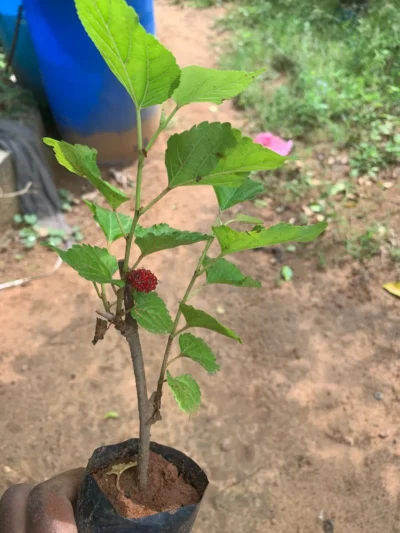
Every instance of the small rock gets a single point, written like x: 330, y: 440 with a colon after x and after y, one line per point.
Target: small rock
x: 220, y: 310
x: 122, y: 178
x: 331, y: 161
x: 90, y: 196
x: 378, y: 396
x: 327, y: 526
x: 213, y: 108
x: 23, y: 368
x: 7, y: 469
x: 383, y: 434
x: 307, y: 211
x: 41, y: 231
x: 388, y: 184
x: 225, y: 445
x: 349, y: 441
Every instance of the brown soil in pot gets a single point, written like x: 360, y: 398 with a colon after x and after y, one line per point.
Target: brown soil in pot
x: 166, y: 489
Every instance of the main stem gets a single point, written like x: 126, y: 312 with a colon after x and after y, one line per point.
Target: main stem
x: 131, y: 332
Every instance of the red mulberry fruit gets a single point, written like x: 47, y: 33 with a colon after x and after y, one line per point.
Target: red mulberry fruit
x: 142, y: 280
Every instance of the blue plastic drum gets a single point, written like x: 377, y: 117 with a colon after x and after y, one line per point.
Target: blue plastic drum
x: 25, y: 65
x: 89, y: 104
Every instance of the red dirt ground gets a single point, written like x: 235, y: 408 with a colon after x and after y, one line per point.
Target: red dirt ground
x: 290, y: 431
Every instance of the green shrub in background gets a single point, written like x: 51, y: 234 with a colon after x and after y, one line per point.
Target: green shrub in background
x: 333, y: 68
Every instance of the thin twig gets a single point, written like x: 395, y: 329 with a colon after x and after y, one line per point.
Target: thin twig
x: 108, y: 316
x: 23, y: 281
x: 157, y: 395
x: 16, y: 193
x: 14, y: 43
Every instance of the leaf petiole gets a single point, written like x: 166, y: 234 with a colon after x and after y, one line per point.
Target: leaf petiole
x: 161, y: 128
x: 154, y: 201
x: 121, y: 227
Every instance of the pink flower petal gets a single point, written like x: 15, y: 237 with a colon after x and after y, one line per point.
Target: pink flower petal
x: 274, y: 143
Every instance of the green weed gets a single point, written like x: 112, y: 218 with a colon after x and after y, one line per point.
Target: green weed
x: 328, y: 69
x: 367, y: 245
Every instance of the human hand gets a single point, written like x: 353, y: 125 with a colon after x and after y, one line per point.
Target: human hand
x: 44, y: 508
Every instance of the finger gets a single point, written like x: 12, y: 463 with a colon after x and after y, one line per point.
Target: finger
x: 51, y: 504
x: 13, y: 509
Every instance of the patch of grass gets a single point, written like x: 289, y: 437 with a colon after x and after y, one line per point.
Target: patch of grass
x: 330, y: 68
x: 365, y: 246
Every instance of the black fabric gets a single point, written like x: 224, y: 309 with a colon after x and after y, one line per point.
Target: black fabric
x: 30, y: 166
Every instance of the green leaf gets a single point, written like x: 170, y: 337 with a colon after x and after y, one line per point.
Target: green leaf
x: 151, y: 312
x: 81, y: 160
x: 228, y: 196
x: 163, y: 237
x: 55, y: 232
x: 200, y: 84
x: 186, y: 392
x: 248, y: 220
x: 108, y: 221
x: 111, y: 415
x: 27, y: 232
x: 192, y: 156
x: 222, y: 271
x: 197, y: 350
x: 248, y: 156
x: 235, y: 241
x: 18, y: 219
x: 30, y: 241
x: 215, y: 154
x: 91, y: 262
x: 145, y: 67
x: 56, y: 241
x: 30, y: 219
x: 287, y: 273
x: 259, y: 203
x: 65, y: 206
x: 195, y: 318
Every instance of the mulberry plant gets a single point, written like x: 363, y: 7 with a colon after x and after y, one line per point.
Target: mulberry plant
x: 209, y: 154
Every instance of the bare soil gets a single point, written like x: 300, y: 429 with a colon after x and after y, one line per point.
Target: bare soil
x: 166, y: 489
x: 298, y: 433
